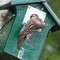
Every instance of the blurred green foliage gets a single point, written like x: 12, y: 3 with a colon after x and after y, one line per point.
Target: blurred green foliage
x: 55, y: 5
x: 51, y: 50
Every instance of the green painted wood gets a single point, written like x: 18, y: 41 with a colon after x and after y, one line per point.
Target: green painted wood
x: 14, y: 2
x: 33, y: 50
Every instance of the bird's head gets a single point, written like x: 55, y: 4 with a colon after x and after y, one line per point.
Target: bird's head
x: 34, y: 16
x: 37, y: 20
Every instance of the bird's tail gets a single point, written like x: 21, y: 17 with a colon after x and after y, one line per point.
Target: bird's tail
x: 20, y: 41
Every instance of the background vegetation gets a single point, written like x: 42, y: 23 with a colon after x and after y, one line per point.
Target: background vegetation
x: 51, y: 50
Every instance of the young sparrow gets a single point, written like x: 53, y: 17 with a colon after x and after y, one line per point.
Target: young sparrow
x: 31, y: 26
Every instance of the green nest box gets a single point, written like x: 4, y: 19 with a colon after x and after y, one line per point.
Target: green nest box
x: 28, y: 51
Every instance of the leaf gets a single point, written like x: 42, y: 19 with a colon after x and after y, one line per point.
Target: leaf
x: 51, y: 50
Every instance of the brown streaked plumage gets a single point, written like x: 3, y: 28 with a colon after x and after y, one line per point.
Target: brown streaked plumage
x: 31, y: 26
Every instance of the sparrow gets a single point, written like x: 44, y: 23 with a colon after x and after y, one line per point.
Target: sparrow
x: 30, y: 27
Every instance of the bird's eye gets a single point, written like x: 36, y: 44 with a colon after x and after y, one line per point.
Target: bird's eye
x: 31, y: 16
